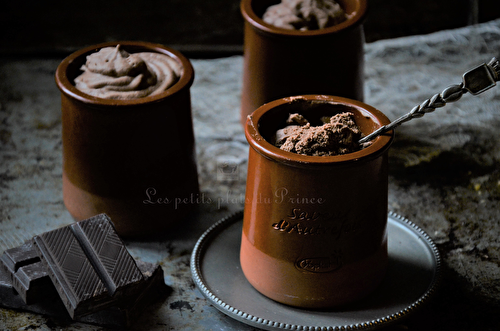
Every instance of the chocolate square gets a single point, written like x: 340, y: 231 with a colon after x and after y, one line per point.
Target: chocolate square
x: 107, y: 254
x: 116, y: 316
x: 76, y: 281
x: 26, y: 273
x: 89, y: 265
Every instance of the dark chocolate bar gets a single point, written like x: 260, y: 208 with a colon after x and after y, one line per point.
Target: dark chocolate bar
x: 89, y: 265
x: 27, y: 274
x: 117, y: 316
x: 17, y: 257
x: 32, y: 282
x: 107, y: 253
x: 128, y: 312
x: 49, y: 304
x: 154, y: 290
x: 79, y: 286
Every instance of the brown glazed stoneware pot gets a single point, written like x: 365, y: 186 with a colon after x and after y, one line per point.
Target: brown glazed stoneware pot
x: 314, y: 227
x: 131, y: 159
x: 279, y: 63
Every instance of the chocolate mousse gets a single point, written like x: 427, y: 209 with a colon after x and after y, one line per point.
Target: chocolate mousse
x: 305, y: 14
x: 113, y: 73
x: 338, y: 135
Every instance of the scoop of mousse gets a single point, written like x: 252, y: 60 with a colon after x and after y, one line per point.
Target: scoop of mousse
x: 338, y: 135
x: 305, y: 14
x: 113, y: 73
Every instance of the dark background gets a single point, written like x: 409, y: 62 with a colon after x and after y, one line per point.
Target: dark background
x: 199, y: 28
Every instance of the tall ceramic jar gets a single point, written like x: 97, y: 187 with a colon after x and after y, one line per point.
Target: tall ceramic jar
x: 280, y: 63
x: 314, y: 227
x: 131, y: 159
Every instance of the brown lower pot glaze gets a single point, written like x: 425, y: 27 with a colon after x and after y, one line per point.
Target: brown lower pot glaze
x: 279, y: 63
x: 314, y: 227
x: 131, y: 159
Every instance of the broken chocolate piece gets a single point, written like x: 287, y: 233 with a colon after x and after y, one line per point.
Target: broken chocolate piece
x: 49, y: 304
x: 26, y: 272
x: 31, y: 282
x: 117, y: 316
x: 154, y: 290
x: 125, y: 314
x: 76, y: 281
x: 89, y: 265
x: 107, y: 253
x: 17, y: 257
x: 82, y: 272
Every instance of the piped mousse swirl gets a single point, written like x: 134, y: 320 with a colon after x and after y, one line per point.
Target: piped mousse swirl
x: 305, y: 15
x: 113, y: 73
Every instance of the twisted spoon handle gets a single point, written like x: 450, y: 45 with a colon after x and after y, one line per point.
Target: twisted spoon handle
x: 475, y: 81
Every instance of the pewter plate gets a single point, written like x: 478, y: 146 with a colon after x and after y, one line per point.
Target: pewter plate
x: 412, y: 277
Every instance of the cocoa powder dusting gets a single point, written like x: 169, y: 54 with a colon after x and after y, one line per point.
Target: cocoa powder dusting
x: 339, y: 135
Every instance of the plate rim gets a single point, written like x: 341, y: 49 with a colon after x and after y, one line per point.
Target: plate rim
x: 249, y: 319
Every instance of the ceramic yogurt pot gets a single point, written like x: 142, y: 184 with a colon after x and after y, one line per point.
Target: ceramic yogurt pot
x: 279, y: 62
x: 314, y: 227
x: 131, y: 159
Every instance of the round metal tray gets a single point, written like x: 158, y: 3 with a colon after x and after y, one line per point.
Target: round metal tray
x: 412, y: 276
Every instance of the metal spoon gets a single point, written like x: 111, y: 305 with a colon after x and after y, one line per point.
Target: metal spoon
x: 475, y: 81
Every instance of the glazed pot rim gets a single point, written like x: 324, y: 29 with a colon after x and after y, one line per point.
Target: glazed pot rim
x: 259, y: 24
x: 379, y: 145
x: 67, y: 87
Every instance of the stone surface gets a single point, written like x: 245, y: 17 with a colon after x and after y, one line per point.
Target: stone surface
x: 444, y: 174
